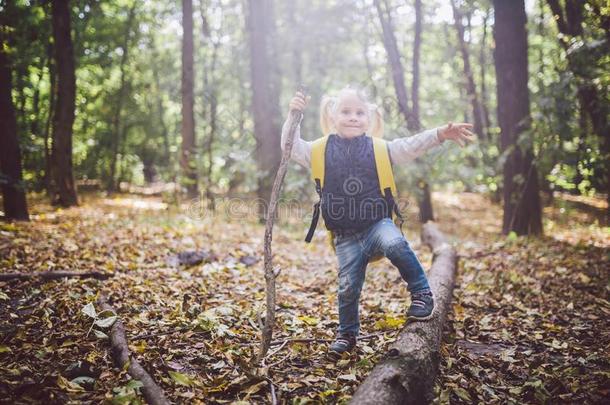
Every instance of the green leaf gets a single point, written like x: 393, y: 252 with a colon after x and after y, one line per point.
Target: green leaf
x: 106, y: 322
x: 181, y: 379
x: 134, y: 385
x: 89, y: 310
x: 5, y: 349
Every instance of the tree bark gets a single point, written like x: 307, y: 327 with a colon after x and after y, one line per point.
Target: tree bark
x: 153, y: 394
x: 187, y: 162
x: 63, y: 119
x: 522, y: 210
x: 406, y: 375
x: 265, y: 97
x: 13, y: 190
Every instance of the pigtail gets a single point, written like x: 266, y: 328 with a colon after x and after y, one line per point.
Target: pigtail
x: 326, y: 106
x: 376, y: 121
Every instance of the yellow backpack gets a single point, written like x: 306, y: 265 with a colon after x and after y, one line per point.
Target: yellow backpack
x: 384, y: 174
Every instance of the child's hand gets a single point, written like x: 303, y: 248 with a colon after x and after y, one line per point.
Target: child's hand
x: 458, y: 133
x: 299, y: 102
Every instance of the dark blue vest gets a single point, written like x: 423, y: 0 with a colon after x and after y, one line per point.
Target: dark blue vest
x: 351, y: 199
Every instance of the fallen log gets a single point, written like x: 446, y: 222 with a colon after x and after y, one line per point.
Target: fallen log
x: 406, y: 375
x: 153, y: 394
x: 54, y: 275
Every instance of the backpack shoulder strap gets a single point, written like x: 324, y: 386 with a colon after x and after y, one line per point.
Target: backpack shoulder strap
x: 384, y: 166
x: 318, y: 153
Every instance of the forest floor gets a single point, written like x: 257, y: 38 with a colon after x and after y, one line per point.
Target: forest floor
x: 530, y: 320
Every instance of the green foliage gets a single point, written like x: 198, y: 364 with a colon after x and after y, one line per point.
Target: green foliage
x: 324, y: 45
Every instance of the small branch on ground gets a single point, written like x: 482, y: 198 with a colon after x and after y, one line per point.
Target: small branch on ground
x: 54, y: 275
x: 153, y: 394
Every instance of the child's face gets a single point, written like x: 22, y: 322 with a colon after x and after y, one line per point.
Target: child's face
x: 351, y: 117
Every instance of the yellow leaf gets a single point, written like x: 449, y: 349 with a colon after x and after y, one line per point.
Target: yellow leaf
x: 138, y: 347
x: 311, y: 321
x: 182, y: 379
x: 389, y: 323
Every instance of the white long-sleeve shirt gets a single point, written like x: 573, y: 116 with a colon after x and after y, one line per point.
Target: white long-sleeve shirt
x: 402, y: 150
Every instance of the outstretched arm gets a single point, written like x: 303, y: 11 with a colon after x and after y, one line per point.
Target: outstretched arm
x: 301, y: 149
x: 404, y: 150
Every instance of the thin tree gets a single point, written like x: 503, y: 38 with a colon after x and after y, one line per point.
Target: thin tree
x: 410, y: 115
x: 63, y: 117
x: 522, y: 210
x: 210, y: 95
x: 187, y: 160
x: 265, y: 96
x: 471, y: 91
x: 117, y: 131
x: 48, y: 177
x: 13, y: 193
x: 483, y: 70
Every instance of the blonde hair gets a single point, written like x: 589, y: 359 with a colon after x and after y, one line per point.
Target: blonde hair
x: 329, y: 104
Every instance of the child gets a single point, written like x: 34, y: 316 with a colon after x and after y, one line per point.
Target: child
x: 351, y: 197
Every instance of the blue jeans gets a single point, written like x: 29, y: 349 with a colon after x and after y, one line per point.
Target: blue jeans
x: 354, y: 251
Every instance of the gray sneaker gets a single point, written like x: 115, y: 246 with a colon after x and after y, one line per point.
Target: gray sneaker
x: 344, y: 342
x: 422, y: 306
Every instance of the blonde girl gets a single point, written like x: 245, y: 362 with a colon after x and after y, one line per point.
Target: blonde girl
x: 352, y: 205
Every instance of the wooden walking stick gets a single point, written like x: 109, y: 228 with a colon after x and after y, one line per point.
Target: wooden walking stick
x: 270, y: 275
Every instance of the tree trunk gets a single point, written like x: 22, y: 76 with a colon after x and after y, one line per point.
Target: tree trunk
x: 471, y: 91
x: 406, y: 375
x: 411, y: 116
x: 424, y: 202
x: 210, y: 93
x: 160, y: 107
x: 416, y: 54
x: 187, y: 162
x: 398, y: 73
x: 63, y: 119
x: 483, y: 67
x: 118, y: 106
x: 522, y: 210
x: 13, y: 193
x: 48, y: 177
x: 265, y: 97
